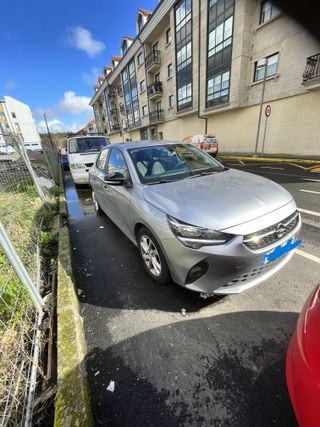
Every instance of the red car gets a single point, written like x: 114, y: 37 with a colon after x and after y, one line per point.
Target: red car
x: 303, y: 363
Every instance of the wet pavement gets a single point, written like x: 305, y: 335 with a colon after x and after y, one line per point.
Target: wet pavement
x: 221, y: 363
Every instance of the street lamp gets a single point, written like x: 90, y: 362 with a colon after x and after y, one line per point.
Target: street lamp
x: 262, y: 65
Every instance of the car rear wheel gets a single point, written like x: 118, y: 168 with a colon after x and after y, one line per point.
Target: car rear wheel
x: 152, y: 257
x: 96, y: 204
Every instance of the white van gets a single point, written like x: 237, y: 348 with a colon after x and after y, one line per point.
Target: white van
x: 82, y: 153
x: 33, y: 146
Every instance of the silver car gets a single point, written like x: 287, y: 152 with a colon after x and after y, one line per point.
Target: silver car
x: 210, y: 229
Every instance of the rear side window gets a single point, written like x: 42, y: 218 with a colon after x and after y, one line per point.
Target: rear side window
x: 101, y: 161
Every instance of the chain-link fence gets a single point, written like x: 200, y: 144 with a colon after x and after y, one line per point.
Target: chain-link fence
x: 26, y: 191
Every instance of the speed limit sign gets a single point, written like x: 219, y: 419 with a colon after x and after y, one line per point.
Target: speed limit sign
x: 267, y: 111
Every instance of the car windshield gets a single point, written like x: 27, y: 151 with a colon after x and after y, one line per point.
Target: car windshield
x: 163, y: 163
x: 85, y: 145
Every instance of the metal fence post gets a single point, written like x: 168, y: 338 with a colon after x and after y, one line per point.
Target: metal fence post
x: 19, y: 268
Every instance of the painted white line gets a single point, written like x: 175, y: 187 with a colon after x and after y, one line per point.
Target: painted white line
x: 309, y: 256
x: 310, y: 191
x: 270, y: 167
x: 309, y: 212
x: 312, y: 180
x: 310, y: 222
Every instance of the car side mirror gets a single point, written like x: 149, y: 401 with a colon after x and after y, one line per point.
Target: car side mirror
x: 115, y: 178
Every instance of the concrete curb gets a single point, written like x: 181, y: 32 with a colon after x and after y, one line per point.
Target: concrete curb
x: 270, y: 159
x: 72, y: 402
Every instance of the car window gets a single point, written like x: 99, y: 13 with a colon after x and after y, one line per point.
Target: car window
x: 86, y: 145
x: 101, y: 161
x: 171, y: 162
x: 116, y: 162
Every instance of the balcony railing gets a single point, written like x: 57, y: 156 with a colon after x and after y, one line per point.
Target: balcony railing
x: 153, y: 60
x: 134, y: 124
x: 155, y: 89
x: 156, y: 116
x: 115, y: 127
x: 311, y: 73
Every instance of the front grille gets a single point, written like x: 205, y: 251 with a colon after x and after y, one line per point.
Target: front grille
x: 270, y: 235
x: 253, y: 273
x: 88, y: 165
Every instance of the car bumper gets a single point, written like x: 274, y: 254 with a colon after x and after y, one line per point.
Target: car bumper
x: 80, y: 177
x: 228, y: 269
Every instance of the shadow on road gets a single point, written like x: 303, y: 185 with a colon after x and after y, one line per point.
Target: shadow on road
x: 227, y: 370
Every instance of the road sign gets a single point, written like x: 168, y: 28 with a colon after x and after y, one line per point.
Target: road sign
x: 267, y: 111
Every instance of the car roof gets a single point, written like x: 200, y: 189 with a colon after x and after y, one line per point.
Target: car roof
x: 87, y: 136
x: 143, y: 144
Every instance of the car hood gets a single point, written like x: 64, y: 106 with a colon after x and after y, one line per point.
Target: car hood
x: 218, y: 201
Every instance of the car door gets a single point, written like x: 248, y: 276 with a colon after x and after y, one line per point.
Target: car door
x: 97, y: 178
x: 118, y: 197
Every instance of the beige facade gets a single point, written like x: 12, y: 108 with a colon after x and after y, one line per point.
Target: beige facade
x: 294, y: 124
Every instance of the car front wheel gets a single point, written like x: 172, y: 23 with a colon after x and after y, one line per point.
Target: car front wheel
x: 152, y: 257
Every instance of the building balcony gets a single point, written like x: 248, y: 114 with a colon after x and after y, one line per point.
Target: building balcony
x: 115, y: 127
x: 156, y: 116
x: 311, y: 75
x: 153, y: 60
x: 114, y: 111
x: 134, y: 124
x: 155, y: 90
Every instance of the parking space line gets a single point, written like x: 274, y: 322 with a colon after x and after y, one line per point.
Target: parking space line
x: 310, y: 191
x: 310, y: 179
x: 309, y: 256
x: 309, y: 212
x: 271, y: 167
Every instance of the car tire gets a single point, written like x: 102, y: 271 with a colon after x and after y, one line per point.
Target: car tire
x: 96, y: 205
x: 152, y: 257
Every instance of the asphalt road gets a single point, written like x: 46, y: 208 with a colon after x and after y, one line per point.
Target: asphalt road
x: 223, y: 363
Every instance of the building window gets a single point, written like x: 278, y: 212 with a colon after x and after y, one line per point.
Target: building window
x: 219, y: 50
x: 170, y: 101
x: 140, y: 58
x: 268, y: 11
x: 144, y: 110
x: 130, y: 92
x: 271, y: 67
x: 168, y: 36
x: 140, y: 22
x: 157, y: 78
x: 144, y: 134
x: 170, y: 70
x: 124, y: 47
x: 183, y: 34
x: 142, y: 85
x: 13, y: 115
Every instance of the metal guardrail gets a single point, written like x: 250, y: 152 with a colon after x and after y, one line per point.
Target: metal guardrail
x: 155, y: 88
x: 156, y: 116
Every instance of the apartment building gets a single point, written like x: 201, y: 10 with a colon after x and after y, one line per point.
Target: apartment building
x: 207, y: 66
x: 16, y: 118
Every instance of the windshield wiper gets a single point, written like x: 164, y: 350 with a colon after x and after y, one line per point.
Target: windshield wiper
x: 162, y: 181
x: 203, y: 173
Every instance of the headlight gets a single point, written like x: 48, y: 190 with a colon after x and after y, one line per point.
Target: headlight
x: 77, y: 166
x: 194, y: 237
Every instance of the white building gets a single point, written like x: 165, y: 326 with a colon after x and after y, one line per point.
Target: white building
x: 16, y: 118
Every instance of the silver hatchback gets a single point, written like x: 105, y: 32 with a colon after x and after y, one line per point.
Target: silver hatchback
x: 208, y: 228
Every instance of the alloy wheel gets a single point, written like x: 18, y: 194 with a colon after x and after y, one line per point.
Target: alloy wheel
x: 150, y: 255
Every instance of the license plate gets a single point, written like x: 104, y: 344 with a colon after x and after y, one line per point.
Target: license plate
x: 279, y: 251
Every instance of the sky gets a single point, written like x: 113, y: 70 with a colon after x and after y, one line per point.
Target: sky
x: 53, y: 51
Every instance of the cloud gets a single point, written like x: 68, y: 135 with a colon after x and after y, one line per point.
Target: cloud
x: 54, y: 125
x: 81, y: 38
x: 10, y: 84
x: 74, y: 104
x: 71, y: 103
x: 91, y: 77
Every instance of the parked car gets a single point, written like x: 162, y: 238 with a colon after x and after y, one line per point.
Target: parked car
x: 82, y: 153
x: 211, y: 229
x: 6, y: 149
x: 207, y: 143
x: 33, y: 146
x: 303, y: 363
